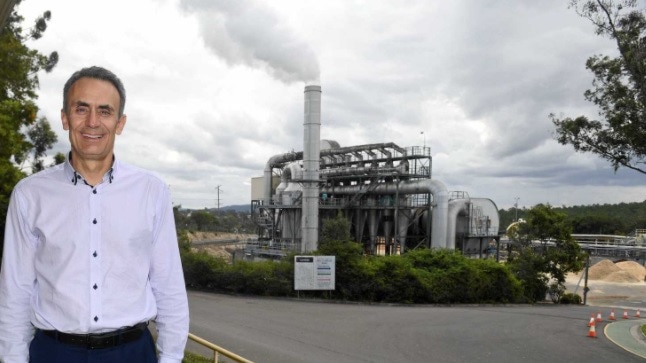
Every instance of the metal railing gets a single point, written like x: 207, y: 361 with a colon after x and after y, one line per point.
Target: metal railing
x: 217, y: 350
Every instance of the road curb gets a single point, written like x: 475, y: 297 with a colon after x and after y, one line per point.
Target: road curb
x: 627, y: 335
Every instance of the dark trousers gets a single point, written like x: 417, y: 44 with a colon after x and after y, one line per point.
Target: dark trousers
x: 45, y: 349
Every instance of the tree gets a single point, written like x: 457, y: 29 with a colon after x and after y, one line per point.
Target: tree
x: 203, y: 220
x: 335, y: 229
x: 618, y: 89
x: 59, y: 158
x: 25, y: 138
x: 544, y: 250
x: 5, y: 9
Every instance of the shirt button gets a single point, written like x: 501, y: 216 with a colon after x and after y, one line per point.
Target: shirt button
x: 96, y: 318
x: 95, y: 254
x: 94, y: 221
x: 93, y: 191
x: 95, y: 287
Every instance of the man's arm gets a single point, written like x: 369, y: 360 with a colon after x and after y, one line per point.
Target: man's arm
x: 167, y: 281
x: 17, y: 279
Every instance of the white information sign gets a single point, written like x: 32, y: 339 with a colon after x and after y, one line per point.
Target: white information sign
x: 314, y: 272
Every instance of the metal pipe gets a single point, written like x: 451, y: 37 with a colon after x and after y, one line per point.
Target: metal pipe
x: 279, y: 160
x: 456, y: 206
x: 366, y: 147
x: 360, y: 224
x: 403, y: 220
x: 397, y: 239
x: 440, y: 206
x: 311, y: 160
x: 217, y: 349
x: 363, y: 170
x: 273, y: 162
x: 387, y: 225
x: 372, y: 228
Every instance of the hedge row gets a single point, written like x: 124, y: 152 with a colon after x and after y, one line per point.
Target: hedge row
x: 421, y: 276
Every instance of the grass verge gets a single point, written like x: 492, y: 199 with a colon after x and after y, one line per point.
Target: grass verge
x: 195, y: 358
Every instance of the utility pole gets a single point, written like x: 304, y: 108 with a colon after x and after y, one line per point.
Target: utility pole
x: 218, y: 200
x: 516, y: 208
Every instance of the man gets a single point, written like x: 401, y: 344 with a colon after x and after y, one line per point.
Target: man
x: 90, y: 250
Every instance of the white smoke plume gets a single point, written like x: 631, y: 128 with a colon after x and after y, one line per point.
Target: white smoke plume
x: 248, y: 32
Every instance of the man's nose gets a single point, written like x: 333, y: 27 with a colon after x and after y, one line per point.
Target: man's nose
x: 93, y: 119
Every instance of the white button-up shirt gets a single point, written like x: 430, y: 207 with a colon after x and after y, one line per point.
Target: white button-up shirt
x: 91, y: 259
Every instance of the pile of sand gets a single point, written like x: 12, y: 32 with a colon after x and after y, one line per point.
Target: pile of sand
x: 602, y: 269
x: 632, y: 267
x: 625, y: 271
x: 620, y: 276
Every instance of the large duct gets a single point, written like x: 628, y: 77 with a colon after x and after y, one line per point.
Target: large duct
x: 456, y: 206
x: 311, y: 160
x: 274, y: 161
x: 436, y: 188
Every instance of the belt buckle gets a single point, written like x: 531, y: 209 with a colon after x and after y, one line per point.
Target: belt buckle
x: 100, y: 341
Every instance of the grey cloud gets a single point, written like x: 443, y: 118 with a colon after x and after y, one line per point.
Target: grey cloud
x: 512, y: 65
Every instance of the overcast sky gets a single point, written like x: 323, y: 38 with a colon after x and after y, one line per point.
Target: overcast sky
x: 215, y: 88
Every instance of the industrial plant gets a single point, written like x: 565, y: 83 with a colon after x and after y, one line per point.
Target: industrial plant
x: 384, y: 190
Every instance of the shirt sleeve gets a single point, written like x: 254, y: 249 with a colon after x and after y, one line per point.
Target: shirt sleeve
x: 167, y: 282
x: 17, y: 283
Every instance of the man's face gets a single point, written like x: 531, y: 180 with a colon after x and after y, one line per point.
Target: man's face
x: 92, y: 119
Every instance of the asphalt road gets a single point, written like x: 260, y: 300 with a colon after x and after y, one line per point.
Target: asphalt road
x: 291, y: 331
x: 615, y: 294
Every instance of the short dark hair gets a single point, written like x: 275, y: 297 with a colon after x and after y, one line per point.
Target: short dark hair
x: 96, y: 72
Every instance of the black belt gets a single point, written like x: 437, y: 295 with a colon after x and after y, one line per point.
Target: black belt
x: 100, y: 341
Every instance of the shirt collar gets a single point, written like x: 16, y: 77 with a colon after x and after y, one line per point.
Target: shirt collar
x: 74, y: 177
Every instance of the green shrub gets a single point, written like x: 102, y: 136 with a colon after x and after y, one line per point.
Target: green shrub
x: 200, y: 269
x: 396, y: 280
x: 442, y: 259
x: 354, y: 273
x: 456, y: 279
x: 497, y: 283
x: 268, y: 278
x: 570, y: 298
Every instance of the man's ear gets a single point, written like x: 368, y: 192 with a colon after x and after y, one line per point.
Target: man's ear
x: 121, y: 124
x: 66, y: 124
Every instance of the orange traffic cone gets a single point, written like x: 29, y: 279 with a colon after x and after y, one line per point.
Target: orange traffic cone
x: 625, y: 314
x: 591, y: 322
x: 592, y: 333
x: 612, y: 314
x: 599, y: 318
x: 637, y: 314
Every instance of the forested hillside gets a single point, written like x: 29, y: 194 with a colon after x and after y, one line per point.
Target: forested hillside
x: 621, y: 218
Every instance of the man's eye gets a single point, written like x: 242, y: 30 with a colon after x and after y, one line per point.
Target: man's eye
x: 81, y: 110
x: 105, y: 113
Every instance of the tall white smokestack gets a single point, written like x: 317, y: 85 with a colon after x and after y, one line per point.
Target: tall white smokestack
x: 311, y: 156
